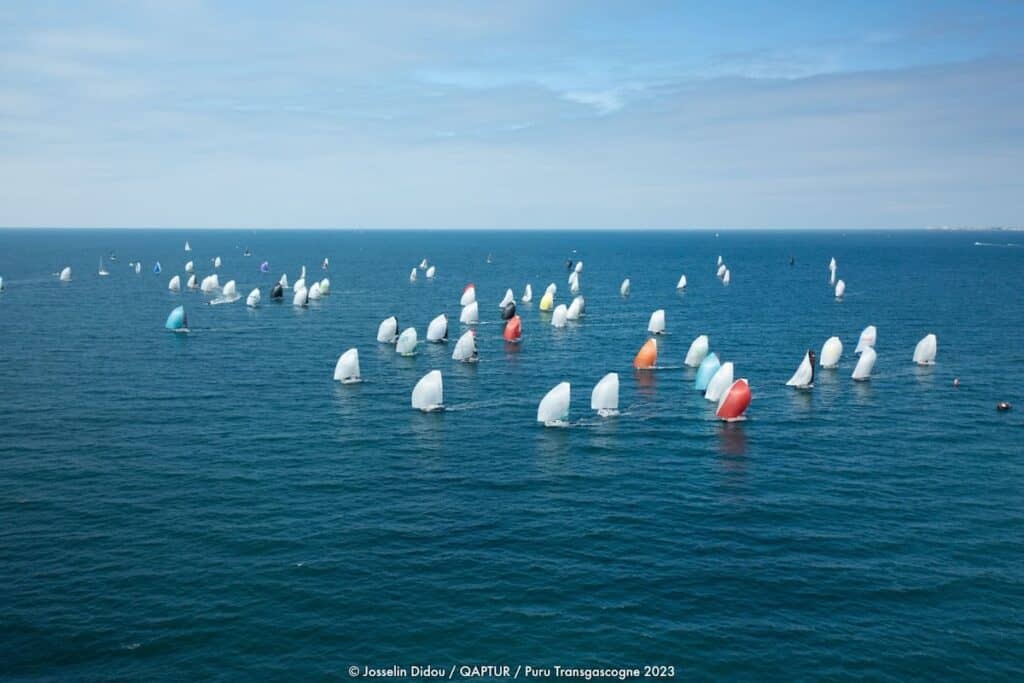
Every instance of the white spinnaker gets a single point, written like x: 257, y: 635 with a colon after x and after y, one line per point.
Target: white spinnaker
x: 465, y: 348
x: 527, y: 294
x: 656, y: 325
x: 867, y: 338
x: 431, y: 272
x: 698, y: 349
x: 407, y: 341
x: 468, y: 296
x: 575, y: 308
x: 387, y: 331
x: 253, y: 300
x: 865, y: 364
x: 470, y: 314
x: 65, y: 274
x: 175, y: 284
x: 804, y: 375
x: 301, y: 297
x: 314, y: 292
x: 926, y: 349
x: 840, y: 289
x: 428, y: 394
x: 559, y: 316
x: 507, y: 299
x: 437, y: 331
x: 346, y: 370
x: 831, y: 351
x: 682, y: 282
x: 554, y: 407
x: 605, y: 396
x: 624, y: 287
x: 211, y: 283
x: 720, y: 382
x: 412, y: 275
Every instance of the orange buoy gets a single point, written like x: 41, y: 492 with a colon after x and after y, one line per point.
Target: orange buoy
x: 647, y: 356
x: 513, y: 329
x: 735, y: 401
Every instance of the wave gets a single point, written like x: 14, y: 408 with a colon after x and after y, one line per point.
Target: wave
x: 996, y: 244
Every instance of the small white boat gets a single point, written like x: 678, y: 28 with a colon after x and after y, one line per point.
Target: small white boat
x: 831, y: 351
x: 720, y: 382
x: 346, y: 370
x: 65, y: 274
x: 253, y: 300
x: 656, y: 325
x: 865, y: 364
x: 470, y: 314
x: 840, y: 289
x: 428, y: 394
x: 605, y: 396
x: 188, y: 247
x: 412, y: 275
x: 175, y: 284
x: 407, y: 342
x: 926, y: 349
x: 228, y: 294
x: 624, y: 287
x: 867, y: 339
x: 697, y: 351
x: 574, y: 288
x: 431, y: 271
x: 682, y: 282
x: 437, y: 331
x: 553, y: 410
x: 719, y: 261
x: 527, y: 294
x: 559, y: 316
x: 465, y: 349
x: 387, y: 331
x: 216, y: 261
x: 576, y: 308
x: 803, y: 378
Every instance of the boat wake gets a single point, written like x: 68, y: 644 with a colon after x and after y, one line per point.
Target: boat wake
x: 996, y: 244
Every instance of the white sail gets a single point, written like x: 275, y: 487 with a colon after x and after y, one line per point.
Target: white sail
x: 624, y: 287
x: 803, y: 378
x: 300, y: 283
x: 830, y: 353
x: 302, y: 275
x: 719, y: 261
x: 412, y: 275
x: 188, y: 247
x: 283, y: 281
x: 346, y: 370
x: 574, y: 288
x: 727, y: 277
x: 553, y: 410
x: 865, y: 364
x: 576, y: 308
x: 431, y: 271
x: 573, y: 277
x: 605, y: 396
x: 138, y: 267
x: 527, y: 294
x: 832, y: 264
x: 720, y: 382
x: 407, y: 342
x: 428, y: 394
x: 216, y: 261
x: 387, y: 331
x: 190, y: 267
x: 230, y: 290
x: 438, y: 329
x: 682, y: 282
x: 579, y: 267
x: 301, y: 297
x: 175, y: 284
x: 840, y: 289
x: 211, y: 283
x: 465, y: 349
x: 721, y: 270
x: 832, y: 279
x: 468, y: 296
x: 559, y: 316
x: 470, y: 314
x: 507, y: 299
x: 314, y: 292
x: 867, y: 339
x: 552, y: 289
x: 253, y: 300
x: 65, y: 274
x: 656, y: 325
x: 924, y: 352
x: 698, y: 349
x: 325, y: 286
x: 423, y: 264
x: 193, y: 282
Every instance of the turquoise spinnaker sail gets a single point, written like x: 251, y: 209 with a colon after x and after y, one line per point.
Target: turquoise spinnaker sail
x: 177, y: 320
x: 707, y: 369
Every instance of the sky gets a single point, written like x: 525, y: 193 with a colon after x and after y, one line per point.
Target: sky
x: 556, y: 114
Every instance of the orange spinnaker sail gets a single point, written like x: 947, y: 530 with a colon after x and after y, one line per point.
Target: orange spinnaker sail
x: 513, y: 329
x: 647, y: 356
x: 735, y: 402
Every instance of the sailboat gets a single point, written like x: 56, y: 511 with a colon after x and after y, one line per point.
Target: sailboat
x: 507, y: 299
x: 325, y: 287
x: 277, y: 292
x: 65, y: 275
x: 682, y: 282
x: 721, y: 269
x: 840, y: 289
x: 265, y: 267
x: 103, y: 271
x: 527, y: 294
x: 387, y: 331
x: 283, y: 281
x: 926, y: 349
x: 407, y: 342
x: 720, y: 383
x: 576, y: 308
x: 865, y: 364
x: 428, y: 394
x: 347, y: 369
x: 831, y: 351
x: 509, y: 311
x: 605, y: 396
x: 727, y: 278
x: 647, y: 356
x: 547, y: 302
x: 734, y: 401
x: 624, y: 287
x: 465, y: 349
x: 656, y: 325
x: 470, y: 314
x: 157, y: 268
x: 301, y: 297
x: 705, y: 371
x: 431, y: 271
x: 468, y: 295
x: 210, y: 284
x: 138, y: 267
x: 193, y: 282
x: 228, y: 294
x: 314, y: 292
x: 437, y: 331
x: 558, y: 317
x: 513, y: 330
x: 175, y: 284
x: 412, y: 275
x: 216, y: 261
x: 867, y: 339
x: 188, y: 247
x: 253, y: 300
x: 177, y: 321
x: 698, y: 349
x: 553, y: 410
x: 423, y: 264
x: 803, y: 378
x: 190, y: 267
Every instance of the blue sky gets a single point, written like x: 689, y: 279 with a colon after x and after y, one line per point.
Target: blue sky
x: 179, y: 113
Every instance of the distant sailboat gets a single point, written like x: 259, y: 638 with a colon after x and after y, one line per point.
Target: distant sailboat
x: 428, y: 394
x: 301, y: 297
x: 326, y: 264
x: 210, y: 284
x: 647, y: 356
x: 300, y: 283
x: 314, y: 292
x: 175, y: 284
x: 507, y: 299
x: 437, y: 331
x: 705, y: 371
x: 412, y: 275
x: 177, y: 321
x: 103, y: 271
x: 423, y: 264
x: 253, y: 300
x: 190, y: 267
x: 682, y: 282
x: 431, y: 271
x: 228, y: 294
x: 831, y: 351
x: 926, y: 349
x: 553, y: 410
x: 513, y: 330
x: 719, y: 261
x: 734, y: 401
x: 547, y: 302
x: 325, y: 287
x: 605, y: 396
x: 138, y: 267
x: 865, y: 364
x: 157, y: 268
x: 727, y: 278
x: 216, y: 261
x: 576, y: 308
x: 193, y: 282
x: 721, y: 270
x: 188, y: 247
x: 527, y: 294
x: 803, y: 378
x: 698, y: 349
x: 656, y: 325
x: 509, y: 311
x: 720, y: 383
x: 840, y: 289
x: 559, y: 316
x: 465, y: 349
x: 468, y: 295
x: 277, y: 292
x: 867, y: 339
x: 407, y: 342
x: 387, y: 331
x: 624, y: 287
x: 579, y: 266
x: 283, y: 281
x: 265, y: 267
x: 346, y: 370
x: 470, y: 314
x: 65, y: 274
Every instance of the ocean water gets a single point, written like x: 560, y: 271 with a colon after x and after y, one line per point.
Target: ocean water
x: 214, y: 506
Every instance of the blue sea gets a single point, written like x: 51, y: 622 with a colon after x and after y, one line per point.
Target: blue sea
x: 213, y: 506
